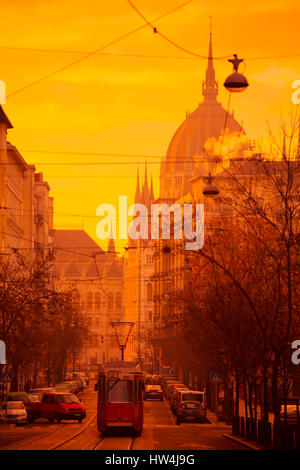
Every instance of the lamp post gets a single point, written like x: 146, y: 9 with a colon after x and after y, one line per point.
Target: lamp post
x: 122, y: 338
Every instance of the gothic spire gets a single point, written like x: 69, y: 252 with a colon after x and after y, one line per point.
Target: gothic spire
x: 151, y: 191
x: 145, y: 190
x: 137, y: 197
x: 210, y: 85
x: 111, y: 242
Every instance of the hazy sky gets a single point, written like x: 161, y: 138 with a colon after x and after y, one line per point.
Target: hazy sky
x: 117, y: 103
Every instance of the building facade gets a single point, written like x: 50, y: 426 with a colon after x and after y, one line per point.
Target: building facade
x: 26, y: 210
x: 138, y: 272
x: 98, y: 277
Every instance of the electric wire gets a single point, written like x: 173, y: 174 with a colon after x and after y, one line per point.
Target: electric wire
x: 148, y: 56
x: 155, y: 30
x: 92, y: 53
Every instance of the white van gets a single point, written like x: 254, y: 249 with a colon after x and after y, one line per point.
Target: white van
x: 190, y: 395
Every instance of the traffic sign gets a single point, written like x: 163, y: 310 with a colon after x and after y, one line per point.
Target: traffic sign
x: 7, y: 376
x: 216, y: 377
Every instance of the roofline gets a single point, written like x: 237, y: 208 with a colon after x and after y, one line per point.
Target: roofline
x: 4, y: 119
x: 18, y: 157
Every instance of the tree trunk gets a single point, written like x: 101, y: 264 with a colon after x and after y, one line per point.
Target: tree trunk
x: 237, y: 396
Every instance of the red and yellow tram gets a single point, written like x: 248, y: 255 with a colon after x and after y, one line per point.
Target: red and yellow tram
x: 120, y: 396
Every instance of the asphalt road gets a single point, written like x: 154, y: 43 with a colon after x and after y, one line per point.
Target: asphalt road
x: 160, y: 433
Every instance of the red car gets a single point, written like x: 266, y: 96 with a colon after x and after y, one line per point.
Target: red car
x: 59, y: 406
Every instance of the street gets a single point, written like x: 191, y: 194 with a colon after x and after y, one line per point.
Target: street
x: 160, y: 432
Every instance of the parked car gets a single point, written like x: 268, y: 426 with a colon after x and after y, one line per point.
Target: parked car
x: 153, y: 391
x: 83, y: 376
x: 13, y: 412
x: 189, y: 395
x: 174, y: 396
x: 190, y: 411
x: 56, y: 405
x: 40, y: 391
x: 18, y: 396
x: 167, y: 382
x: 291, y: 415
x: 64, y: 387
x: 74, y: 388
x: 171, y: 388
x: 32, y: 398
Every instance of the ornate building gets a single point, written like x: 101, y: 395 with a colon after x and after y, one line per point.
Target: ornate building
x: 26, y: 209
x: 184, y: 173
x: 138, y: 271
x: 98, y: 277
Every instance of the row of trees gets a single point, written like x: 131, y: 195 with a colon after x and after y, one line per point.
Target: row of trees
x: 41, y: 325
x: 239, y: 311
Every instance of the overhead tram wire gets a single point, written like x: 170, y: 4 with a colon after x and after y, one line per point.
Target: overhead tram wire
x: 178, y: 46
x: 143, y: 56
x: 45, y: 244
x: 92, y: 53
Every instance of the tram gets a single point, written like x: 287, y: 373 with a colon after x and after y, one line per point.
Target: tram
x: 120, y: 389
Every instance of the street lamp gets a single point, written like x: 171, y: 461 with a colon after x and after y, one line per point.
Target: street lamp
x: 122, y: 337
x: 210, y: 190
x: 236, y: 82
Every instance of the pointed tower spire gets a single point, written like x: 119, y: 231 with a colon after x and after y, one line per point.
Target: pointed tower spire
x: 210, y: 85
x: 145, y: 190
x: 137, y: 197
x: 111, y: 242
x: 151, y: 190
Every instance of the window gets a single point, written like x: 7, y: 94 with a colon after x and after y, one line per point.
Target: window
x: 191, y: 406
x: 70, y: 398
x: 119, y: 391
x: 149, y: 291
x: 15, y: 406
x: 140, y: 391
x: 149, y: 315
x: 192, y: 397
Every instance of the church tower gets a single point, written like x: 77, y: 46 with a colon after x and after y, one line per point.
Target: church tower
x: 138, y: 196
x: 145, y: 191
x: 210, y: 86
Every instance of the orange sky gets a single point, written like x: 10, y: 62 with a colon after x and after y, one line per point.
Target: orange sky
x: 124, y: 104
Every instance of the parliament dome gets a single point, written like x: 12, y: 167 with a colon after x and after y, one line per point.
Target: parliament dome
x: 206, y: 121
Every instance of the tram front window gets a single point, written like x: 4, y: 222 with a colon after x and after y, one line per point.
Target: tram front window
x: 119, y: 391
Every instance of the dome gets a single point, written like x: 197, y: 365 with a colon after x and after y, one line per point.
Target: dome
x: 189, y: 139
x: 205, y: 122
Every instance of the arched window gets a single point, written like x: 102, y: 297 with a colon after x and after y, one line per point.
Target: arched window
x: 118, y: 303
x: 97, y: 302
x: 149, y: 291
x: 89, y: 300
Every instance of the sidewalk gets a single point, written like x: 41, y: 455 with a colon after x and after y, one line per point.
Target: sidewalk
x: 227, y: 428
x: 249, y: 444
x: 213, y: 419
